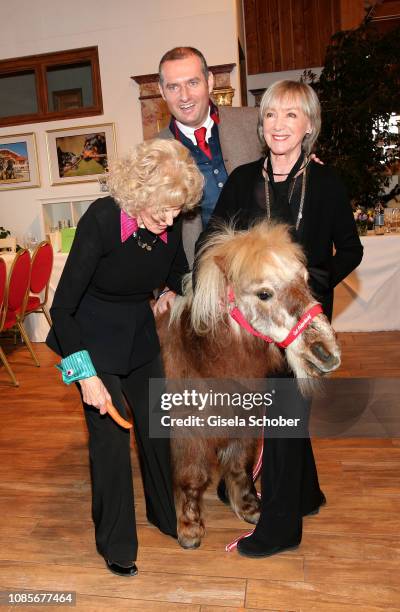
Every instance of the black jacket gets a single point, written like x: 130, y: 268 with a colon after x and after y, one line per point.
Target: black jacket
x: 327, y: 223
x: 102, y: 300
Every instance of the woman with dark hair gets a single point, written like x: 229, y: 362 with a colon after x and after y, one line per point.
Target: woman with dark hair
x: 287, y: 186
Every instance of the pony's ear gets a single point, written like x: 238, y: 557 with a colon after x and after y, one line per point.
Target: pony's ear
x: 220, y: 260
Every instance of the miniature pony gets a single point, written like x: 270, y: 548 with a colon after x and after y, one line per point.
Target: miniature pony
x: 262, y: 273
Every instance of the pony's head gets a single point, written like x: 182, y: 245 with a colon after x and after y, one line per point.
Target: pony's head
x: 267, y: 273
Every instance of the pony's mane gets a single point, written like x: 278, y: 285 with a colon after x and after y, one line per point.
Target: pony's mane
x: 227, y: 257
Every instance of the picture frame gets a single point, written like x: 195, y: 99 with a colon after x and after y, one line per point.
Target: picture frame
x: 19, y: 162
x: 80, y: 154
x: 65, y: 99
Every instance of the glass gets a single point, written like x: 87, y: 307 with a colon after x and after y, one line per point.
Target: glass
x: 18, y: 94
x: 55, y: 239
x: 388, y: 220
x: 362, y: 228
x: 30, y: 241
x: 103, y: 182
x: 70, y: 86
x: 396, y: 220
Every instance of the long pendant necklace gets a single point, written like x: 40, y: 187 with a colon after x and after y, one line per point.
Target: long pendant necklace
x: 144, y: 245
x: 303, y: 193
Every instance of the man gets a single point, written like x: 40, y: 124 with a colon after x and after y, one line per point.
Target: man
x: 218, y: 138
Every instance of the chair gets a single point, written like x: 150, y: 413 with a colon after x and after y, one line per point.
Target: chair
x: 41, y: 267
x: 8, y: 244
x: 3, y: 300
x: 17, y: 288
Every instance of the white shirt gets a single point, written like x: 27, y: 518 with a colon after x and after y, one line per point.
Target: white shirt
x: 189, y: 131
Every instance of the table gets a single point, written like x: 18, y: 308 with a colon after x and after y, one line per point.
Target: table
x: 369, y: 298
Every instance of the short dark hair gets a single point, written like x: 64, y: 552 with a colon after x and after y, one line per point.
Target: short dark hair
x: 178, y: 53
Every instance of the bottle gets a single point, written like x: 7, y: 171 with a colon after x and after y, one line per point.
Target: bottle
x: 379, y: 220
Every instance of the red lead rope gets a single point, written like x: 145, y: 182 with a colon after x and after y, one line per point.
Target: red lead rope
x: 292, y: 335
x: 296, y: 330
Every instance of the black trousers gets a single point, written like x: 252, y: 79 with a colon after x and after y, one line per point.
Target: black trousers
x: 289, y: 479
x: 113, y: 508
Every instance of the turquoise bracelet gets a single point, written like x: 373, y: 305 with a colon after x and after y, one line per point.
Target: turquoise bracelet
x: 76, y: 367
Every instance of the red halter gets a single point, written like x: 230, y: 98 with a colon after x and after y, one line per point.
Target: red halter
x: 300, y: 326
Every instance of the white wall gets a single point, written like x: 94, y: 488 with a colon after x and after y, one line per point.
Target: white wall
x: 132, y: 35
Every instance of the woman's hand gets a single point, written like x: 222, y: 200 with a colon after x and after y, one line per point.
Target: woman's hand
x: 94, y: 393
x: 164, y: 302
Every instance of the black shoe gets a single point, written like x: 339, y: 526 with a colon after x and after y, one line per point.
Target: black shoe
x: 120, y: 570
x: 222, y: 492
x: 250, y: 548
x: 316, y: 510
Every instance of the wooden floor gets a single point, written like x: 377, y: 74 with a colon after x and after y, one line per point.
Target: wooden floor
x: 349, y: 559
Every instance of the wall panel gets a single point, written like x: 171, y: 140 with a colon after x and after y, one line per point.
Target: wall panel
x: 288, y: 34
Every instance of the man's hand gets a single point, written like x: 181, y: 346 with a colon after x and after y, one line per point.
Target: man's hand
x: 94, y: 393
x: 317, y: 160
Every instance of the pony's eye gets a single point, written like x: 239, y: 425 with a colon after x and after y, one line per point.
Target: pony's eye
x: 264, y: 295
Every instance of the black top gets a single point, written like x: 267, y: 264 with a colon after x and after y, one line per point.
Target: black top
x: 327, y: 222
x: 102, y: 300
x: 285, y: 195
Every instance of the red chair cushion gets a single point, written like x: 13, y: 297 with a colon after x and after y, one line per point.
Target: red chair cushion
x: 11, y: 319
x: 3, y: 279
x: 33, y: 303
x: 19, y: 281
x: 42, y: 263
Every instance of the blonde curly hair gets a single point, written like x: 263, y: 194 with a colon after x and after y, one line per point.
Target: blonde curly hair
x: 157, y: 174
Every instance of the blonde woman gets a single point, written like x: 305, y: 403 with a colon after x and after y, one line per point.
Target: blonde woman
x: 287, y: 186
x: 126, y: 245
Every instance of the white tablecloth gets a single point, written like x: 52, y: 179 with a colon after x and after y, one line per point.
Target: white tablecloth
x: 369, y: 298
x: 36, y: 324
x: 8, y: 258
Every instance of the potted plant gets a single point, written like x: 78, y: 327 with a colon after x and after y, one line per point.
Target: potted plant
x: 4, y: 233
x: 359, y: 93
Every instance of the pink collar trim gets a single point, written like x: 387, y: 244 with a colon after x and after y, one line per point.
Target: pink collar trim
x: 129, y: 226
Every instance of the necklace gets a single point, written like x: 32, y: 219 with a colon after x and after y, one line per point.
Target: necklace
x: 144, y: 245
x: 303, y: 193
x: 287, y: 173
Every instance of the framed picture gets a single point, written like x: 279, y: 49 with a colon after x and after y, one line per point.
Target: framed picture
x: 65, y: 99
x: 80, y: 154
x: 18, y: 162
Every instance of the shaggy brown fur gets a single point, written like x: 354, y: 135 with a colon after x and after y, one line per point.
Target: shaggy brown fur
x: 202, y: 341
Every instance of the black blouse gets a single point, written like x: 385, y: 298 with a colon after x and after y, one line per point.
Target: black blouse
x: 102, y: 300
x: 327, y: 229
